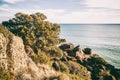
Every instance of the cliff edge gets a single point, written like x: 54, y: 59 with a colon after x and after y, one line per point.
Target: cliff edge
x: 14, y: 59
x: 31, y: 49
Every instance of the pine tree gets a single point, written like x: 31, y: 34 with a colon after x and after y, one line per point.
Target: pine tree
x: 36, y: 32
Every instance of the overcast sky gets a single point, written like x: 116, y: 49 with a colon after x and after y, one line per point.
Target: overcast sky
x: 65, y: 11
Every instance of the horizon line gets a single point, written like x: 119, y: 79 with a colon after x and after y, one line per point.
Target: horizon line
x: 91, y: 23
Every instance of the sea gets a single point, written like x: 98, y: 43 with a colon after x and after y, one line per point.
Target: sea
x: 103, y: 39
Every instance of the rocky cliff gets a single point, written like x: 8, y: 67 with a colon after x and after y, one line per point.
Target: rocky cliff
x: 14, y: 58
x: 20, y: 66
x: 35, y: 54
x: 98, y: 67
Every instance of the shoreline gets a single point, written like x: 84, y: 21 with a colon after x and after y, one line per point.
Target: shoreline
x: 108, y: 48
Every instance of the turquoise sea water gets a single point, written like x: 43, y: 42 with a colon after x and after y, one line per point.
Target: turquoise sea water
x: 103, y: 39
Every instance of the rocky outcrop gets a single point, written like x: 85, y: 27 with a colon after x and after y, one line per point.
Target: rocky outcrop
x: 3, y: 48
x: 87, y: 51
x: 75, y: 64
x: 98, y: 67
x: 66, y: 47
x: 14, y: 58
x: 71, y: 52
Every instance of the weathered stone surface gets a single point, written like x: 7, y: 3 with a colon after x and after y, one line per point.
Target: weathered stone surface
x: 14, y: 58
x: 28, y: 50
x: 17, y: 53
x: 3, y: 55
x: 75, y: 53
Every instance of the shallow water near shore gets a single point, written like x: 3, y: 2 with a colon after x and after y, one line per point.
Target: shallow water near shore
x: 103, y: 39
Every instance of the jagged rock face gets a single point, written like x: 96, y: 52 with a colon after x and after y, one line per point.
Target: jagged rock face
x: 3, y: 56
x: 12, y: 53
x: 17, y: 53
x: 14, y: 58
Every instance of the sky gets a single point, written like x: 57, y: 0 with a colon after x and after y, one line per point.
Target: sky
x: 65, y: 11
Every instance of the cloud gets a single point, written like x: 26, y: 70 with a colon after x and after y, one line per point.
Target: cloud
x: 8, y: 12
x: 90, y: 16
x: 63, y: 16
x: 6, y: 7
x: 112, y: 4
x: 12, y: 1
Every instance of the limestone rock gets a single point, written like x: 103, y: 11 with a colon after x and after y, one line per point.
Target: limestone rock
x: 14, y: 58
x: 3, y: 55
x: 17, y: 53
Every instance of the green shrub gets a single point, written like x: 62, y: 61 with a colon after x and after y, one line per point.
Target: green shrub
x: 97, y: 60
x: 74, y: 77
x: 41, y: 57
x: 63, y: 77
x: 5, y: 31
x: 35, y: 30
x: 64, y: 68
x: 75, y: 68
x: 78, y: 70
x: 55, y: 51
x: 4, y: 74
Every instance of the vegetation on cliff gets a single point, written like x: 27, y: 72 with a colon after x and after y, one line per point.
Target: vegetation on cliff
x: 36, y: 32
x: 41, y: 39
x: 5, y: 31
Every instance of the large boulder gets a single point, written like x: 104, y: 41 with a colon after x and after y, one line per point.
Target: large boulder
x: 87, y: 50
x: 66, y: 47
